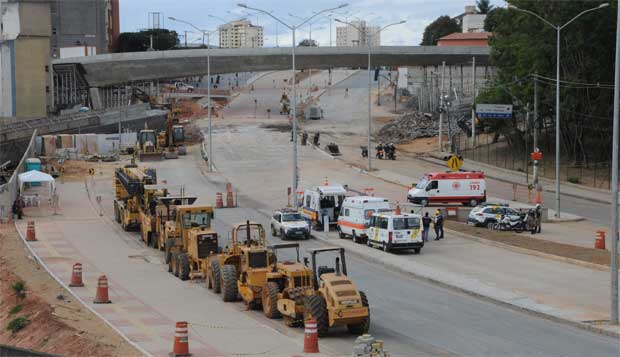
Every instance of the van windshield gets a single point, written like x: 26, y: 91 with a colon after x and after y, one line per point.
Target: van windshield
x: 422, y: 183
x: 406, y: 223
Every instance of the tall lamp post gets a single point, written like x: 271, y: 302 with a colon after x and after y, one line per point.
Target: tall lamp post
x: 558, y: 29
x: 208, y: 33
x: 368, y: 42
x: 614, y: 182
x: 294, y: 94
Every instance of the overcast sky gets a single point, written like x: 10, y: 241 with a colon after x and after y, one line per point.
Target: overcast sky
x: 418, y: 13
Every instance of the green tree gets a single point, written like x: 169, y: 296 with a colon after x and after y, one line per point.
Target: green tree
x: 522, y: 45
x: 307, y: 43
x: 484, y: 6
x: 442, y: 26
x: 163, y: 39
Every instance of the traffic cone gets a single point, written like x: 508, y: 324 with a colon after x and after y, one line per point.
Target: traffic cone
x: 181, y: 341
x: 219, y: 202
x: 30, y: 232
x: 311, y: 339
x: 325, y: 182
x: 76, y: 275
x: 102, y: 291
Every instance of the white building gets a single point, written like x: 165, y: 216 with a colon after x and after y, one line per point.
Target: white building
x: 470, y: 20
x: 350, y: 36
x: 240, y: 34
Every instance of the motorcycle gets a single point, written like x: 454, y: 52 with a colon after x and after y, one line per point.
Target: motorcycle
x: 380, y: 151
x: 390, y: 151
x: 517, y: 225
x: 364, y: 151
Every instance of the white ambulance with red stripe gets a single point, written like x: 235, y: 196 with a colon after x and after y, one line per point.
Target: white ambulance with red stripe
x: 355, y: 215
x: 466, y: 187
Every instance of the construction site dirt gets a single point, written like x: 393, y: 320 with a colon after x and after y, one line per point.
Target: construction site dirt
x: 55, y: 322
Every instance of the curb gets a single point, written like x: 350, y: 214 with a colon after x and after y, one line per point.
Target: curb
x: 395, y: 268
x: 38, y: 260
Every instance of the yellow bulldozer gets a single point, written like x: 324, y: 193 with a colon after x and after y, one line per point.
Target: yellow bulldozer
x: 336, y: 301
x: 188, y: 232
x: 147, y: 146
x: 158, y: 207
x: 129, y: 182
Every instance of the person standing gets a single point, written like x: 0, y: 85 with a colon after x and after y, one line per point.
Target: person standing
x: 438, y: 225
x: 346, y: 92
x: 426, y: 226
x: 538, y: 213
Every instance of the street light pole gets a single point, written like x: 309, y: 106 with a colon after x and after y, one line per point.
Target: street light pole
x: 557, y: 93
x: 614, y: 182
x: 209, y: 109
x: 368, y: 42
x: 293, y: 91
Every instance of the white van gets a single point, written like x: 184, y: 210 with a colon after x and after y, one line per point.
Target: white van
x: 355, y: 215
x: 396, y: 230
x: 468, y: 188
x: 323, y: 200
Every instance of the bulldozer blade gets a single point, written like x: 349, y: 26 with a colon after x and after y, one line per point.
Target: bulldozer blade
x: 171, y: 155
x: 150, y: 156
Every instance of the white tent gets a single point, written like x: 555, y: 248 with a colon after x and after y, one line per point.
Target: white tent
x: 35, y: 176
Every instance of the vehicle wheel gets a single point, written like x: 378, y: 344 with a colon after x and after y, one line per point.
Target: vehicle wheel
x: 307, y: 236
x: 424, y: 202
x: 117, y: 213
x: 354, y: 237
x: 519, y: 228
x: 489, y: 224
x: 362, y: 327
x: 315, y: 307
x: 174, y: 261
x: 149, y: 239
x: 274, y: 232
x: 229, y: 283
x: 473, y: 202
x: 341, y: 235
x: 369, y: 243
x: 183, y: 266
x: 168, y: 248
x: 270, y: 300
x: 417, y: 250
x: 386, y: 248
x: 155, y: 241
x: 282, y: 234
x: 215, y: 277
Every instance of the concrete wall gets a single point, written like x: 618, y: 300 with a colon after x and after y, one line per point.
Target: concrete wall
x: 34, y: 20
x: 31, y: 58
x: 7, y: 76
x: 80, y: 22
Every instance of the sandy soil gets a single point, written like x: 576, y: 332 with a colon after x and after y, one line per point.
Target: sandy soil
x: 56, y: 326
x: 527, y: 241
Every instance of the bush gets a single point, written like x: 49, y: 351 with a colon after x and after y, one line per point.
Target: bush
x: 17, y: 324
x: 15, y: 309
x: 19, y: 287
x: 573, y: 179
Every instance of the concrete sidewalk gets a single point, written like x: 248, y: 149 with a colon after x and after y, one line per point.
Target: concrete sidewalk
x: 536, y: 285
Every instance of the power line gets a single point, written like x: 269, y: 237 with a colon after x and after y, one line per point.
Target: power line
x: 576, y: 83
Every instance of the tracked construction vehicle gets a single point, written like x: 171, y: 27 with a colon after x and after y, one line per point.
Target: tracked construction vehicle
x: 336, y: 301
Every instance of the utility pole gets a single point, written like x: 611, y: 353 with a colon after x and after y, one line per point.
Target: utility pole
x: 614, y: 183
x: 441, y: 107
x: 535, y: 173
x: 473, y: 102
x: 378, y: 91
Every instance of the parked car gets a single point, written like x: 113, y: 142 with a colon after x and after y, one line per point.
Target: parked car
x: 487, y: 215
x: 288, y: 223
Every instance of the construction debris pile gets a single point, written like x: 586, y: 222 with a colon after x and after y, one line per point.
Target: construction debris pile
x: 409, y: 126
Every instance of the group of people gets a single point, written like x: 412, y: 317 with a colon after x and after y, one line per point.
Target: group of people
x: 437, y: 221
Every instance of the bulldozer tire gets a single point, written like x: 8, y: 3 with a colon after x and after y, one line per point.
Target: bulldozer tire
x: 215, y: 277
x: 155, y: 238
x: 168, y: 248
x: 270, y: 300
x: 117, y: 213
x: 315, y: 307
x: 174, y: 264
x: 149, y: 239
x: 183, y: 266
x: 229, y: 283
x: 362, y: 327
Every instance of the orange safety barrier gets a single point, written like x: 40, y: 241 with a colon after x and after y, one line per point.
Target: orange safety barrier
x: 102, y: 291
x: 181, y: 340
x: 599, y: 242
x: 311, y: 338
x: 30, y: 232
x: 76, y: 275
x: 219, y: 202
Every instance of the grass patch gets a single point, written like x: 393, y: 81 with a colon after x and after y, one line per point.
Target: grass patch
x: 17, y: 324
x: 15, y: 309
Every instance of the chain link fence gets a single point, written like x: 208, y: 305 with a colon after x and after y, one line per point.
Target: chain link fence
x: 9, y: 191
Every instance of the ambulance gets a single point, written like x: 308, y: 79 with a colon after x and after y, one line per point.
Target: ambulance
x: 323, y: 201
x: 468, y: 188
x: 395, y: 230
x: 355, y: 215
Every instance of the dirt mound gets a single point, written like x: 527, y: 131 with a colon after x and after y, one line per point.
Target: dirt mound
x: 408, y: 127
x: 57, y: 326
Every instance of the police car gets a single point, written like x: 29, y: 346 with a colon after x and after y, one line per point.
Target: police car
x: 486, y: 215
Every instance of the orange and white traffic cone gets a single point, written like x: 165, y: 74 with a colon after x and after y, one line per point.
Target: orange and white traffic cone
x: 181, y: 341
x: 102, y: 291
x: 76, y: 275
x: 30, y: 232
x: 311, y: 339
x: 325, y: 182
x: 219, y: 202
